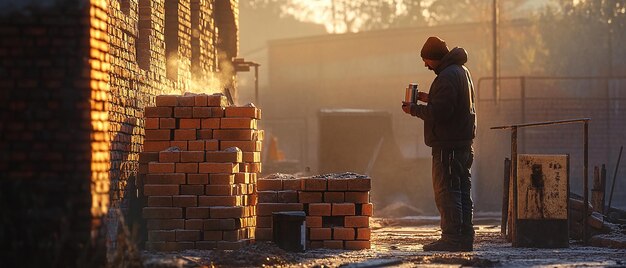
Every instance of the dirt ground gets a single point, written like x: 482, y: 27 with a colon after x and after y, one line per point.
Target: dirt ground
x: 399, y: 243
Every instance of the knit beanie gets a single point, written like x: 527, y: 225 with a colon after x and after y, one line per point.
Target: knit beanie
x: 434, y: 48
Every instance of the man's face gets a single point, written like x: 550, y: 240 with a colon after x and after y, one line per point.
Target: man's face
x: 430, y: 64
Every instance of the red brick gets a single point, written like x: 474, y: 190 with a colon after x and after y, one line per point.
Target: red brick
x: 165, y: 178
x: 192, y: 156
x: 253, y: 167
x: 160, y: 189
x: 315, y: 244
x: 200, y: 100
x: 147, y: 157
x: 197, y: 179
x: 242, y: 177
x: 367, y: 209
x: 212, y: 224
x: 287, y: 196
x: 167, y: 224
x: 238, y: 123
x: 186, y: 167
x: 227, y: 212
x: 197, y: 145
x: 314, y: 184
x: 337, y: 185
x: 363, y: 233
x: 161, y: 235
x: 266, y: 209
x: 249, y: 112
x: 211, y: 145
x: 292, y: 184
x: 205, y: 134
x: 265, y: 222
x: 231, y: 224
x: 210, y: 123
x: 183, y: 112
x: 340, y: 233
x: 355, y: 245
x: 357, y: 197
x: 152, y: 123
x: 158, y: 134
x: 206, y: 245
x: 187, y: 235
x: 246, y: 146
x: 187, y: 101
x: 155, y: 146
x: 253, y: 157
x: 221, y: 179
x: 269, y: 184
x: 213, y: 235
x: 210, y: 201
x: 162, y: 213
x: 334, y: 197
x: 357, y: 221
x: 158, y: 112
x: 217, y: 111
x: 268, y: 196
x: 197, y: 213
x: 192, y: 189
x: 165, y: 100
x: 167, y: 123
x: 189, y: 123
x: 319, y: 209
x: 238, y: 134
x: 224, y: 157
x: 201, y: 112
x: 228, y: 168
x: 364, y: 184
x: 169, y: 157
x: 185, y: 200
x: 184, y: 134
x: 313, y: 221
x: 219, y: 190
x: 194, y: 224
x: 310, y: 197
x: 343, y: 209
x: 159, y: 201
x: 320, y: 233
x: 333, y: 244
x: 182, y: 145
x: 217, y: 100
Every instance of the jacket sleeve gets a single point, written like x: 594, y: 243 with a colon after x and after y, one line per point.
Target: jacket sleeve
x: 440, y: 105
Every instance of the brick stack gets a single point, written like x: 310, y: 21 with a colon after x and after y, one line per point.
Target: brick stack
x: 200, y: 184
x: 337, y: 208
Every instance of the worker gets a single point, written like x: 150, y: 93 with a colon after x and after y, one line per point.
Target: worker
x: 449, y: 129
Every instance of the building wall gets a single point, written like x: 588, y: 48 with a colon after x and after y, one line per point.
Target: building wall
x: 75, y: 78
x: 46, y: 134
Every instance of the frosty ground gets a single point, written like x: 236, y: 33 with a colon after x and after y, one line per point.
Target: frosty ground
x: 399, y: 242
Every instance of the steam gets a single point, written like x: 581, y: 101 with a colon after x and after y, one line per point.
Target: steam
x: 203, y: 81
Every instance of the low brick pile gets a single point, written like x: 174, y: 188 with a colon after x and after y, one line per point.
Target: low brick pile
x: 337, y: 208
x: 199, y: 169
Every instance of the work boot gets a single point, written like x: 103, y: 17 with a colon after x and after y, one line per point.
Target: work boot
x: 447, y: 245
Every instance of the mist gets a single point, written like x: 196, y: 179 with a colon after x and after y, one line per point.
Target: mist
x: 332, y: 79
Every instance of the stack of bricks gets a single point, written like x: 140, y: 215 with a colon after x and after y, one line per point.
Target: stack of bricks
x: 337, y: 208
x: 200, y: 189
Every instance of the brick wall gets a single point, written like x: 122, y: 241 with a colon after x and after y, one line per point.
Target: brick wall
x: 49, y: 138
x: 75, y: 78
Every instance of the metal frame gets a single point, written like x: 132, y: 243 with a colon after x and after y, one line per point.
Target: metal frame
x: 513, y: 174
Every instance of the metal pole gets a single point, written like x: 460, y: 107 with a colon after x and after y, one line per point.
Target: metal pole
x: 585, y: 181
x: 256, y: 84
x: 523, y: 104
x: 494, y: 25
x: 514, y: 176
x: 505, y: 196
x: 614, y: 178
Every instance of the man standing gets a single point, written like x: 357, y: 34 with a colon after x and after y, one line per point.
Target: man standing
x: 449, y: 129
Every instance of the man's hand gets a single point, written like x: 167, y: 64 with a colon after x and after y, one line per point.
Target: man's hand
x: 406, y: 107
x: 422, y: 96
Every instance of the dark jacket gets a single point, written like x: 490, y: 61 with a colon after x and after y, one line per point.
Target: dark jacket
x: 450, y: 115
